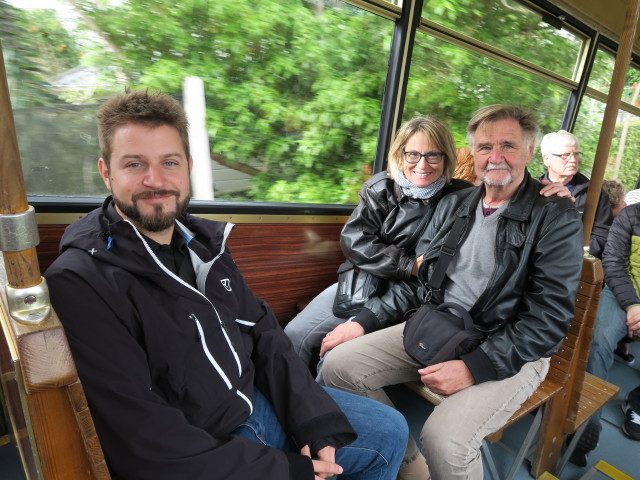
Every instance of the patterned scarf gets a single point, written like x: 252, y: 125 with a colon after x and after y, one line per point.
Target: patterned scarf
x: 410, y: 190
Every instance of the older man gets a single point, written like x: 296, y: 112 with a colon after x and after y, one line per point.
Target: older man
x: 516, y: 270
x: 561, y: 155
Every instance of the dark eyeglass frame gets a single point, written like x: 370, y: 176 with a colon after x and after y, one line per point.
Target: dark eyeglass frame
x: 565, y: 156
x: 432, y: 158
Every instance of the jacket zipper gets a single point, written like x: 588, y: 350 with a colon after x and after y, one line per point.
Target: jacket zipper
x: 215, y: 364
x: 200, y: 335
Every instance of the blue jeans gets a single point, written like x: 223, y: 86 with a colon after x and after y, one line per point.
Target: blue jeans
x: 310, y: 326
x: 376, y: 454
x: 610, y: 327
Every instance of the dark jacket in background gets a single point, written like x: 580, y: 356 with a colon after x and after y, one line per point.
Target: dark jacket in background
x: 169, y: 370
x: 621, y: 258
x: 603, y: 218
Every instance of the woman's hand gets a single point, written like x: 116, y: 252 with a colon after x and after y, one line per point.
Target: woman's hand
x: 342, y: 333
x: 416, y: 266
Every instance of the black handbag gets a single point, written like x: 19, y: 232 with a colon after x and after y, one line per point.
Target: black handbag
x: 355, y: 287
x: 433, y: 334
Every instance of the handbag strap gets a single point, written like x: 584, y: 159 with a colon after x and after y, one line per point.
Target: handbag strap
x: 447, y: 252
x: 466, y: 318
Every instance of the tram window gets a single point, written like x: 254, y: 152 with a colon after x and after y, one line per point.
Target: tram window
x: 623, y: 162
x: 631, y: 92
x: 293, y: 89
x: 602, y: 71
x: 512, y: 27
x: 451, y: 83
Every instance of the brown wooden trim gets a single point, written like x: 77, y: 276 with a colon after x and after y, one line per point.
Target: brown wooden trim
x: 283, y: 263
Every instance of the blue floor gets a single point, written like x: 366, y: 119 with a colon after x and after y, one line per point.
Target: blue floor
x: 10, y: 467
x: 614, y: 448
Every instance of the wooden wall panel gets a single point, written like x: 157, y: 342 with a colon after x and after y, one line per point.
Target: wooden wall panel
x: 283, y: 263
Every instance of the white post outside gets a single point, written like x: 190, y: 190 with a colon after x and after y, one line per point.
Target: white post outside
x: 194, y: 106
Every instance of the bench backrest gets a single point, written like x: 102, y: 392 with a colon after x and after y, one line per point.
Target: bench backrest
x: 583, y: 393
x: 283, y: 263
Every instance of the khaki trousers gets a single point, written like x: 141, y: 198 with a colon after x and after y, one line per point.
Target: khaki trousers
x: 452, y: 435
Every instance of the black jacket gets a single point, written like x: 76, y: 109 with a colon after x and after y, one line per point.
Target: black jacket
x: 382, y: 231
x: 169, y: 370
x: 603, y: 217
x: 529, y: 300
x: 621, y: 258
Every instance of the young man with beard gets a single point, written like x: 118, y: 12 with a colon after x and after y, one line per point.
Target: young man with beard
x: 188, y: 375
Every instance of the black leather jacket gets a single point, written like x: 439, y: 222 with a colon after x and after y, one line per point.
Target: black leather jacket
x: 529, y: 300
x: 383, y: 229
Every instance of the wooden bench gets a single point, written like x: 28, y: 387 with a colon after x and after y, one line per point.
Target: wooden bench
x: 302, y: 259
x: 567, y: 397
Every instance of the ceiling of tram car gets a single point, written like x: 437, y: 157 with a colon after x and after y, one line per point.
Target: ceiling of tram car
x: 607, y: 17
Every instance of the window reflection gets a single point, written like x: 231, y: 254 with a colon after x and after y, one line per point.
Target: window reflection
x: 623, y: 162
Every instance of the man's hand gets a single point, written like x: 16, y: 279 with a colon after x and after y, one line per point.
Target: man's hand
x: 342, y: 333
x: 555, y: 188
x: 446, y: 378
x: 326, y: 465
x: 633, y: 321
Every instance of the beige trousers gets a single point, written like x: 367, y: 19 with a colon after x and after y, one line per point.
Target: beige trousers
x: 452, y: 435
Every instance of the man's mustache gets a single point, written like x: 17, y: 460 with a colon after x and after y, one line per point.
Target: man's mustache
x: 154, y: 193
x: 497, y: 166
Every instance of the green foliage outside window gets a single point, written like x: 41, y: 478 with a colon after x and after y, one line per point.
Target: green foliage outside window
x: 293, y: 87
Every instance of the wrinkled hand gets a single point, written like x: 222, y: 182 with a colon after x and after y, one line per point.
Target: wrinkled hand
x: 416, y: 266
x: 633, y: 321
x: 555, y: 188
x: 326, y: 465
x: 342, y: 333
x: 446, y: 378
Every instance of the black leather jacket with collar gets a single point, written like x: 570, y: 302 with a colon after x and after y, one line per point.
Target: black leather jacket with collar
x: 529, y: 300
x: 382, y: 231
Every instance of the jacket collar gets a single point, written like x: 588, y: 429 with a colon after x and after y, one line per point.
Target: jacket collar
x: 520, y: 205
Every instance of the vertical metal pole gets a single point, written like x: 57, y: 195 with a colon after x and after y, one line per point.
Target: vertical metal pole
x: 395, y: 88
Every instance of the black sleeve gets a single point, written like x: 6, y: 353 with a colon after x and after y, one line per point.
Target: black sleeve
x: 361, y: 240
x: 601, y: 224
x: 616, y: 260
x: 143, y: 437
